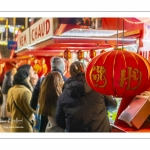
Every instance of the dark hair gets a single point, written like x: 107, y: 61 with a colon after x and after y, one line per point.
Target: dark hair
x: 76, y: 68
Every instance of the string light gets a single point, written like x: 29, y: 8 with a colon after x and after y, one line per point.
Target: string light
x: 3, y: 43
x: 135, y: 22
x: 10, y: 26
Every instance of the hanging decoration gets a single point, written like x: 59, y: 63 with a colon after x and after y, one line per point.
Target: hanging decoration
x: 92, y: 53
x: 67, y: 54
x: 119, y: 73
x: 80, y: 55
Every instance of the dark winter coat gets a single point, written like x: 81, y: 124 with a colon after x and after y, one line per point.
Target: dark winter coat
x: 7, y: 83
x: 80, y: 109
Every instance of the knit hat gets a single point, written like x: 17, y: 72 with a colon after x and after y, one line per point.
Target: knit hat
x: 21, y: 75
x: 76, y: 68
x: 57, y: 63
x: 25, y: 66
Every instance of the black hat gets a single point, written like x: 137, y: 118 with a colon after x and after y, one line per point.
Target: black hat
x: 25, y: 66
x: 21, y: 75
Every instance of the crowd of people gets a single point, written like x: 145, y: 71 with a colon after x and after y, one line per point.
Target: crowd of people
x: 54, y: 103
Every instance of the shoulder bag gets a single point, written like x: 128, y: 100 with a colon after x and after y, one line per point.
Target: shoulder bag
x: 31, y: 122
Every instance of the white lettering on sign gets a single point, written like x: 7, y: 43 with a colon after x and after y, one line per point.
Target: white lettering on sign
x: 41, y: 29
x: 23, y: 39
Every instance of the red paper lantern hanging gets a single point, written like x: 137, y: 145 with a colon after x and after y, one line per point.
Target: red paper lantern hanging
x: 92, y: 53
x: 80, y: 55
x: 67, y: 54
x: 119, y: 73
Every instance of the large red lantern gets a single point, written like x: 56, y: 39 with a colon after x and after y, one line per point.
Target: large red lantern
x: 67, y: 54
x: 119, y: 73
x: 80, y: 55
x: 92, y: 53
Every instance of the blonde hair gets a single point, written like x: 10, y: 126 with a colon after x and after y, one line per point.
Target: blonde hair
x: 50, y: 89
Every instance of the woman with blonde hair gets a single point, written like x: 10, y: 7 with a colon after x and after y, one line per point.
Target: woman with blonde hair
x: 50, y: 90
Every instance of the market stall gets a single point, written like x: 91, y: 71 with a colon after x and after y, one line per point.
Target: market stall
x: 80, y: 42
x: 47, y: 38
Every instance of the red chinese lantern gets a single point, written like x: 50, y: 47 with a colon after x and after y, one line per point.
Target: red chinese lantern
x: 80, y: 55
x: 119, y: 73
x: 67, y: 54
x: 92, y: 53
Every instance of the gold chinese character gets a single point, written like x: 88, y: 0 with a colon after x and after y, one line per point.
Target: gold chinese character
x: 133, y: 74
x: 100, y: 75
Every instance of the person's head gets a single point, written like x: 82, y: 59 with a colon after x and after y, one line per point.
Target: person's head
x: 57, y: 63
x: 22, y: 78
x: 29, y: 68
x: 50, y: 89
x: 76, y: 68
x: 34, y: 79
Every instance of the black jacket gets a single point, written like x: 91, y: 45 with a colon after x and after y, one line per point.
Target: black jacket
x: 80, y: 109
x: 7, y: 82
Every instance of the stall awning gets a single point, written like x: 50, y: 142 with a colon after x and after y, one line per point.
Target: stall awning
x: 76, y: 39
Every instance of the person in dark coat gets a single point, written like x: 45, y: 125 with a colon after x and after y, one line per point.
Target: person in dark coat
x: 7, y: 84
x: 81, y: 109
x: 57, y: 64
